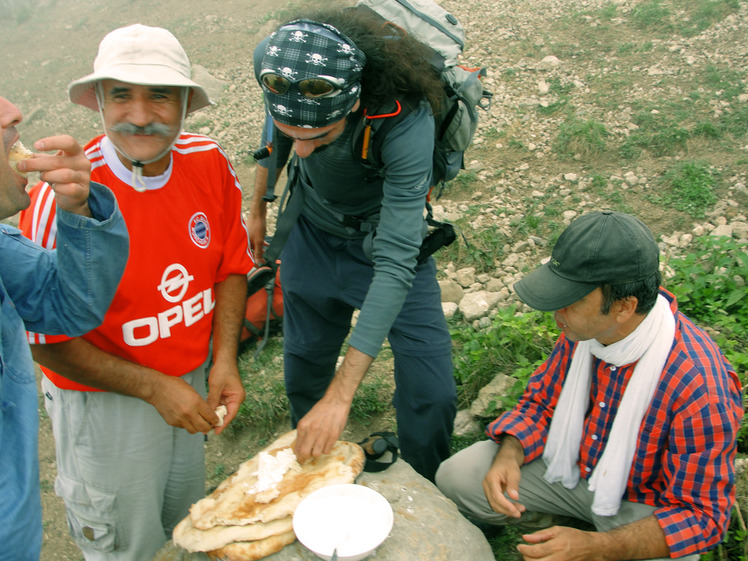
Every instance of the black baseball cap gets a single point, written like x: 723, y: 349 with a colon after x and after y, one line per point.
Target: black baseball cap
x: 598, y: 248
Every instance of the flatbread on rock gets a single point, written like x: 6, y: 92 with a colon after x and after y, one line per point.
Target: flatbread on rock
x: 238, y: 501
x: 188, y: 537
x: 251, y: 551
x: 250, y: 512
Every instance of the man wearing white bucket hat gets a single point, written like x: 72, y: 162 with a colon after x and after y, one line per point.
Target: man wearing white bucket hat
x: 128, y: 401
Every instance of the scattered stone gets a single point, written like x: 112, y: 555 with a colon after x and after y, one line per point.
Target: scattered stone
x: 740, y: 230
x: 451, y: 291
x: 722, y: 230
x: 631, y: 178
x: 548, y: 63
x: 488, y: 402
x: 569, y: 215
x: 465, y: 423
x: 465, y: 276
x: 449, y: 309
x: 212, y: 85
x: 477, y: 304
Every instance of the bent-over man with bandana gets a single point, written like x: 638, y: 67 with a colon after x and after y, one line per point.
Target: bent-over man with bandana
x: 630, y: 425
x: 356, y: 242
x: 128, y: 400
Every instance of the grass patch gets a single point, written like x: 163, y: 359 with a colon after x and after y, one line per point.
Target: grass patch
x: 265, y: 404
x: 735, y: 121
x: 690, y: 187
x: 659, y: 132
x: 474, y: 248
x: 374, y: 395
x: 504, y: 542
x: 705, y: 13
x: 653, y: 16
x: 581, y: 139
x: 726, y: 82
x: 684, y: 17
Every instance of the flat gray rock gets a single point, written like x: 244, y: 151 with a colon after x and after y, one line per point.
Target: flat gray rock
x: 427, y: 527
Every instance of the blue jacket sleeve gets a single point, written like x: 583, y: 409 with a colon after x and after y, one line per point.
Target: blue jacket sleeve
x: 68, y: 290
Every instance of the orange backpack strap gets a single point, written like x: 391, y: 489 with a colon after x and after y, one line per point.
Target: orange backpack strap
x: 369, y: 120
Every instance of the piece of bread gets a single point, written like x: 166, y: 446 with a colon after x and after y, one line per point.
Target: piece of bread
x: 188, y: 537
x: 251, y: 551
x: 17, y: 153
x: 221, y: 411
x: 236, y: 501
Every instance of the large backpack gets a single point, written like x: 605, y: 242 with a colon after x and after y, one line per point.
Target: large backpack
x: 456, y: 121
x: 455, y: 124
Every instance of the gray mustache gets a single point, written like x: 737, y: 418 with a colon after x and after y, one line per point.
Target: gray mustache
x: 151, y: 129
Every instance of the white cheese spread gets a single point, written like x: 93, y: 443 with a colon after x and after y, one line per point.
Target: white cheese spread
x: 271, y: 469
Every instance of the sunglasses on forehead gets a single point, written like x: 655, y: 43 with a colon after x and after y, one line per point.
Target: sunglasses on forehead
x: 319, y: 86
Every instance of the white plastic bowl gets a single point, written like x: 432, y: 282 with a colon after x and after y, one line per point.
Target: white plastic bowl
x: 353, y: 518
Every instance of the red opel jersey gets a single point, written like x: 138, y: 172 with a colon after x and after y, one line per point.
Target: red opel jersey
x: 186, y: 234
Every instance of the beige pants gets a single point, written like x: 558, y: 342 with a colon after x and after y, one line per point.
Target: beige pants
x: 460, y: 478
x: 126, y: 476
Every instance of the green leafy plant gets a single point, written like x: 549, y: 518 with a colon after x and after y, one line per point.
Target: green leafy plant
x: 709, y: 282
x: 479, y: 249
x: 690, y: 187
x: 514, y: 345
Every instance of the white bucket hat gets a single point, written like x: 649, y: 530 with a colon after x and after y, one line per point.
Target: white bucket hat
x: 138, y: 54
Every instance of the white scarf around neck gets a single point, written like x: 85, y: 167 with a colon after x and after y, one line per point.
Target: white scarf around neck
x: 650, y: 344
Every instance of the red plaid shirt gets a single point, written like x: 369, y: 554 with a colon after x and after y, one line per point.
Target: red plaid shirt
x: 687, y: 441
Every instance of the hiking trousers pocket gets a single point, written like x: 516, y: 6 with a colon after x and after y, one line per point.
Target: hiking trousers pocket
x: 90, y: 514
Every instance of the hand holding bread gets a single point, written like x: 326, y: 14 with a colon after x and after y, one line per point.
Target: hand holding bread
x: 68, y: 170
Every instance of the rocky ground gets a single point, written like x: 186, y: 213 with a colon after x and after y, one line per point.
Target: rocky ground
x: 546, y: 59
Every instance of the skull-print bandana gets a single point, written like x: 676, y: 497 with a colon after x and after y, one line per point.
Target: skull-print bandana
x: 305, y: 49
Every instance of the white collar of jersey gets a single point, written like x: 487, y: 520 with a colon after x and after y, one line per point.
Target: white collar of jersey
x: 109, y: 152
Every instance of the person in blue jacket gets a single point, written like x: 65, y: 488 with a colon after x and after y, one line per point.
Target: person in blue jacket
x: 67, y: 290
x: 356, y: 242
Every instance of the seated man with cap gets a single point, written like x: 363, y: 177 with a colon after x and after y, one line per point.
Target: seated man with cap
x: 128, y: 400
x: 629, y: 426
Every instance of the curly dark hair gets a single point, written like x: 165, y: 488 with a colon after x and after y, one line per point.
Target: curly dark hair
x: 645, y: 291
x: 397, y: 65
